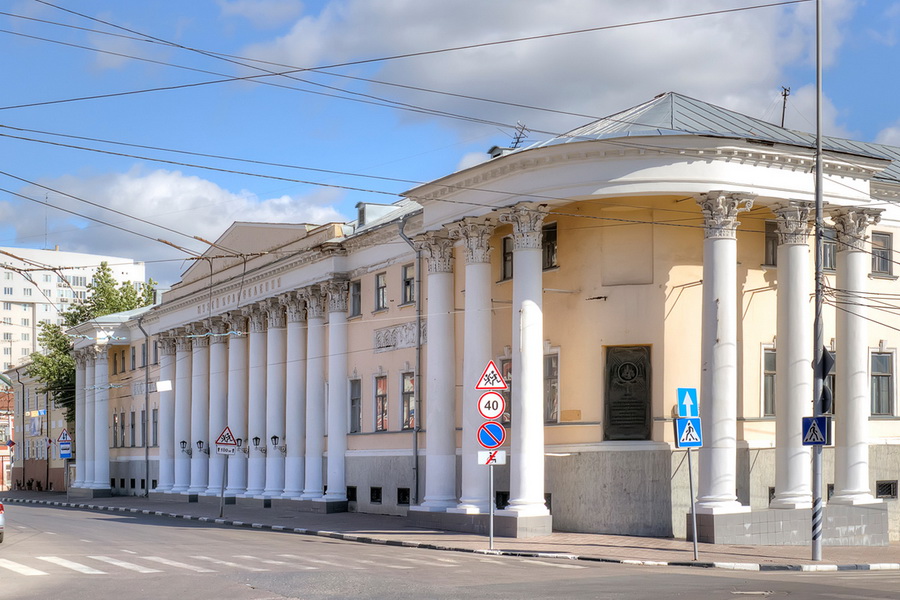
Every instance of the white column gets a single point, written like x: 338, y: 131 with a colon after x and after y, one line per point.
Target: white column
x: 90, y: 390
x: 168, y: 447
x: 315, y: 392
x: 716, y: 491
x: 275, y: 394
x: 852, y: 396
x: 440, y: 368
x: 182, y: 412
x: 199, y: 410
x: 80, y: 415
x: 237, y: 402
x: 338, y: 398
x: 477, y: 352
x: 526, y: 473
x: 218, y: 402
x: 793, y: 358
x: 295, y: 398
x: 256, y: 421
x: 101, y: 420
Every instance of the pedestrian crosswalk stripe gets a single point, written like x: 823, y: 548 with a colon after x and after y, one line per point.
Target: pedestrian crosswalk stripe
x: 226, y: 563
x: 125, y: 565
x: 262, y: 560
x: 20, y: 569
x: 62, y: 562
x: 557, y: 565
x: 382, y: 564
x: 319, y: 561
x: 425, y: 562
x: 179, y: 565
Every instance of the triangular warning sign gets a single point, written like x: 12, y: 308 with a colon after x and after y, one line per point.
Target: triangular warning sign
x: 64, y: 436
x: 813, y: 435
x: 491, y: 379
x: 689, y: 435
x: 226, y: 438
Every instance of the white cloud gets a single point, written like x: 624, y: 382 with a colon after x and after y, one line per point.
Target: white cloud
x: 262, y: 13
x: 471, y: 159
x: 889, y: 136
x: 183, y: 203
x: 735, y: 59
x: 801, y: 114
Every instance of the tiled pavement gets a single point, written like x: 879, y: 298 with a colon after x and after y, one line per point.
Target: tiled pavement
x: 394, y: 530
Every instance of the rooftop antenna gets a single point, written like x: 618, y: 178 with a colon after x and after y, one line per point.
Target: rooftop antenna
x: 519, y: 136
x: 46, y: 226
x: 785, y: 92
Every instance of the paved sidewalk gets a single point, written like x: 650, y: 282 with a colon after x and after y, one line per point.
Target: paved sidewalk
x: 381, y: 529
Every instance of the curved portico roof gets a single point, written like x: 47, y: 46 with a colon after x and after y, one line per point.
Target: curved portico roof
x: 674, y: 114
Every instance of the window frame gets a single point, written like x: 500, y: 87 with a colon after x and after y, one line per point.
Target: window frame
x: 355, y: 296
x: 829, y: 249
x: 408, y: 284
x: 355, y: 421
x: 549, y: 416
x: 550, y: 246
x: 882, y: 254
x: 380, y: 291
x: 506, y: 258
x: 381, y: 402
x: 768, y: 390
x: 407, y: 400
x: 882, y: 406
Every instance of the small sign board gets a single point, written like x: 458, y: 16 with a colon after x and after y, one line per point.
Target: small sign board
x: 226, y: 443
x: 491, y: 379
x: 491, y: 435
x: 688, y: 406
x: 491, y: 405
x: 65, y: 449
x: 64, y: 436
x: 815, y: 431
x: 688, y: 433
x: 491, y: 457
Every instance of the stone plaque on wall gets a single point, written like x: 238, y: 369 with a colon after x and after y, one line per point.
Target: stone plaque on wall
x: 627, y: 393
x: 397, y: 337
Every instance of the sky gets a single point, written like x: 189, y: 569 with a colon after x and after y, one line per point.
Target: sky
x: 162, y: 119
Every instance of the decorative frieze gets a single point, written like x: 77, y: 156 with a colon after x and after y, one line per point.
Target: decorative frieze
x: 851, y: 223
x: 438, y: 248
x: 476, y: 235
x: 527, y: 219
x: 720, y: 211
x: 398, y: 336
x: 793, y: 221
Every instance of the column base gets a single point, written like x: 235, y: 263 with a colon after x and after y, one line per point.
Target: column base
x: 311, y: 495
x: 721, y: 508
x: 791, y: 502
x: 511, y: 526
x: 434, y: 506
x: 292, y: 494
x: 854, y: 499
x: 469, y: 509
x: 524, y: 510
x: 326, y: 505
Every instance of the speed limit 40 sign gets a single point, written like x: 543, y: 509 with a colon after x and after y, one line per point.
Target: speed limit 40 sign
x: 491, y: 405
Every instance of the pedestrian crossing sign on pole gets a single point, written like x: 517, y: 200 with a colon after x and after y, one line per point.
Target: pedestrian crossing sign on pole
x: 688, y: 433
x: 816, y: 431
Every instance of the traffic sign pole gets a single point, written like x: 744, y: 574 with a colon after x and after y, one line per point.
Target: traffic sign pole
x: 693, y: 508
x: 491, y: 502
x: 222, y: 494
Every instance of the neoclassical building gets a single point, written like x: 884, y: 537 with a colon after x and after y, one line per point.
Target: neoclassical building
x: 667, y: 246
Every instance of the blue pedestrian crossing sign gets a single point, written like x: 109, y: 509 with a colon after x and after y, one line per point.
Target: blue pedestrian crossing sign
x: 815, y: 431
x: 687, y: 402
x: 688, y: 433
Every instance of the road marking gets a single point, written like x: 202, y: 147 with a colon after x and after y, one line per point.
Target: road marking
x: 380, y: 564
x: 226, y: 563
x: 125, y: 565
x: 180, y: 565
x: 262, y: 560
x: 129, y: 551
x: 550, y: 564
x: 319, y: 561
x: 20, y: 569
x: 426, y: 562
x: 62, y: 562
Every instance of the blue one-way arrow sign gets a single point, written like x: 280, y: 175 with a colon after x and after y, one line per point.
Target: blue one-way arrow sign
x: 687, y: 403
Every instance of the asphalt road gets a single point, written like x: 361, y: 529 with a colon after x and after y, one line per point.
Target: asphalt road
x: 71, y: 554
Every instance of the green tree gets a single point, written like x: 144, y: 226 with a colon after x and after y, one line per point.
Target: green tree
x: 54, y: 367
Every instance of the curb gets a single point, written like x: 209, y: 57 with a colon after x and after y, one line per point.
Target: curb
x: 350, y: 537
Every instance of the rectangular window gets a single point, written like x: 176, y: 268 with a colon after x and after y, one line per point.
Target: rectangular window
x: 115, y: 364
x: 402, y: 496
x: 355, y: 406
x: 355, y: 298
x: 551, y: 388
x: 122, y: 430
x: 7, y: 306
x: 506, y: 371
x: 26, y: 337
x: 7, y: 351
x: 155, y: 352
x: 882, y: 383
x: 409, y: 284
x: 143, y: 428
x: 8, y: 291
x: 381, y: 291
x: 506, y: 266
x: 829, y: 249
x: 408, y: 399
x: 26, y: 322
x: 548, y: 246
x: 770, y: 252
x: 886, y: 489
x: 26, y: 291
x: 381, y: 404
x: 133, y: 357
x: 768, y: 383
x: 7, y: 337
x: 375, y: 495
x: 144, y: 354
x: 154, y: 415
x: 131, y: 431
x: 881, y: 254
x: 115, y: 430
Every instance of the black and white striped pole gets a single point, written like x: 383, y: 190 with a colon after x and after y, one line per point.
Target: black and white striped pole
x: 818, y: 332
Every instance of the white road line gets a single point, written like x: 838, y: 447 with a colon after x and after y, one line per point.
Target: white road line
x: 425, y: 562
x: 381, y: 564
x: 262, y: 560
x: 226, y: 563
x: 179, y: 565
x: 62, y: 562
x: 319, y: 561
x: 125, y: 565
x: 550, y: 564
x: 129, y: 551
x: 20, y: 569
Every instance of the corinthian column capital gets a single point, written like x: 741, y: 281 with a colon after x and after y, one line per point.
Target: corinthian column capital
x: 476, y: 235
x: 527, y: 218
x: 294, y: 305
x: 793, y: 221
x: 720, y: 211
x: 438, y: 247
x: 851, y: 223
x: 315, y: 301
x: 336, y: 290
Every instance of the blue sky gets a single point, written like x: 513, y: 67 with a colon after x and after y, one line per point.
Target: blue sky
x: 52, y: 58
